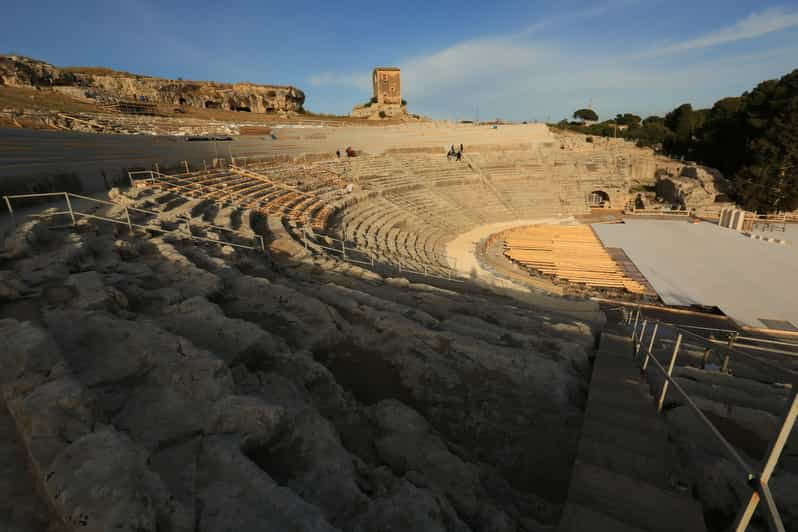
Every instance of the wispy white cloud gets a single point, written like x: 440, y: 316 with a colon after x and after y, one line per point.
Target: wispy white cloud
x: 575, y: 15
x: 755, y: 25
x: 464, y: 66
x: 517, y: 76
x: 456, y: 59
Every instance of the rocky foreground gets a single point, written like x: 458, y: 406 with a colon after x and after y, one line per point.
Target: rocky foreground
x: 154, y: 384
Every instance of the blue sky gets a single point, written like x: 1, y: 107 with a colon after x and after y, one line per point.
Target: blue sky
x: 520, y: 60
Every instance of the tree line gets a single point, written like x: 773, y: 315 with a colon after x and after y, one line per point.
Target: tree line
x: 752, y: 139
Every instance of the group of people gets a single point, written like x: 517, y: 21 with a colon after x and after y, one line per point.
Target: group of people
x: 349, y: 152
x: 455, y: 154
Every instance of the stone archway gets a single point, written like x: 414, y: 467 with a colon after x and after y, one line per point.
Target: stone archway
x: 599, y: 198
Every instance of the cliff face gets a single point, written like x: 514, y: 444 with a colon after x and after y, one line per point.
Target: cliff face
x: 108, y: 85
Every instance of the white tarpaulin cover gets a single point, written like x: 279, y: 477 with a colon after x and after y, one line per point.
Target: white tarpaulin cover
x: 705, y: 264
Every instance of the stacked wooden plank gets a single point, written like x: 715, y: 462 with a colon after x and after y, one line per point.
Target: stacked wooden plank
x: 569, y: 253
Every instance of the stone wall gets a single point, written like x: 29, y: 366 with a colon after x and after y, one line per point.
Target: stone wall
x: 375, y: 111
x: 622, y: 170
x: 108, y: 85
x: 387, y: 86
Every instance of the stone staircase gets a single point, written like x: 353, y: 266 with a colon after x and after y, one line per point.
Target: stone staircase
x: 626, y: 476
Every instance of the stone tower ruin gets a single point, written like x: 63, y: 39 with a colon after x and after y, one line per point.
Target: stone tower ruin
x: 387, y: 87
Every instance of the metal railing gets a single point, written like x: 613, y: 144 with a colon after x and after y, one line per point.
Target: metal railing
x: 756, y: 478
x: 310, y: 241
x: 74, y: 213
x: 657, y: 212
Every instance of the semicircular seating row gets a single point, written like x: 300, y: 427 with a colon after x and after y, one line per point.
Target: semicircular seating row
x: 404, y: 208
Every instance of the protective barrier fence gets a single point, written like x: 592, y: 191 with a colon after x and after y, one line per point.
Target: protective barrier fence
x: 349, y: 253
x: 756, y: 478
x: 182, y: 231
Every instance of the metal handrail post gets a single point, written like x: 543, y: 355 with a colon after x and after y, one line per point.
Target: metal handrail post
x: 69, y: 206
x: 127, y: 217
x: 640, y: 338
x: 343, y: 249
x: 10, y: 211
x: 650, y: 345
x: 771, y: 459
x: 634, y: 328
x: 706, y: 357
x: 732, y: 337
x: 669, y: 373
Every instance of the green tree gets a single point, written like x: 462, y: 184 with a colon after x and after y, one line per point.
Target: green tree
x: 768, y: 177
x: 752, y: 139
x: 627, y: 119
x: 585, y: 115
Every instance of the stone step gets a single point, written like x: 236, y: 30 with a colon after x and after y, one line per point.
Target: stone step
x: 655, y: 470
x: 615, y: 345
x: 632, y: 440
x: 634, y: 399
x: 618, y: 417
x: 621, y: 368
x: 638, y: 504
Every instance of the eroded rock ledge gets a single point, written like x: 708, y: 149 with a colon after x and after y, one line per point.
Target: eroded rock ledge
x: 108, y: 85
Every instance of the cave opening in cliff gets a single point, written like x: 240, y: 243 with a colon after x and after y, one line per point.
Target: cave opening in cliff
x: 599, y: 198
x: 243, y: 108
x: 212, y: 105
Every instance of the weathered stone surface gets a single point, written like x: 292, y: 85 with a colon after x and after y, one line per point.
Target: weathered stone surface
x: 50, y: 417
x: 176, y: 465
x: 313, y: 398
x: 109, y: 85
x: 692, y: 187
x: 92, y: 294
x: 390, y: 512
x: 405, y: 442
x: 310, y: 459
x: 301, y: 320
x: 101, y: 482
x: 22, y: 242
x: 387, y: 85
x: 21, y: 509
x: 56, y: 264
x: 29, y: 356
x: 256, y: 422
x: 206, y: 325
x: 94, y: 478
x: 155, y: 385
x: 234, y: 494
x: 392, y: 416
x: 387, y: 99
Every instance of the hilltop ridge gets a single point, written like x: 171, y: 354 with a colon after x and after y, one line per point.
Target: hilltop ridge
x: 106, y: 85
